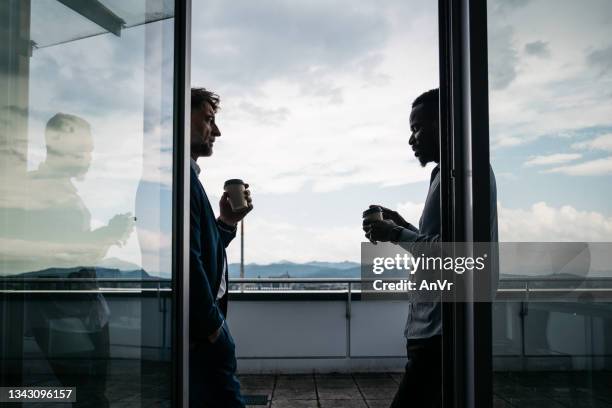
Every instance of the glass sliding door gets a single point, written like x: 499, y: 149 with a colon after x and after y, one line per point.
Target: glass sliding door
x: 550, y: 105
x: 88, y: 170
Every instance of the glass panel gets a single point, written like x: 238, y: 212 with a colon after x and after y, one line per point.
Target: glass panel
x: 550, y: 75
x: 315, y: 110
x: 86, y: 148
x: 315, y: 106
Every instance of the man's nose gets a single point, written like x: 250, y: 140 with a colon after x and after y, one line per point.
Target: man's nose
x: 216, y: 132
x: 411, y: 140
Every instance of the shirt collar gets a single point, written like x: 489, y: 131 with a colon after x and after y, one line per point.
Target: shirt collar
x: 195, y: 167
x: 434, y: 173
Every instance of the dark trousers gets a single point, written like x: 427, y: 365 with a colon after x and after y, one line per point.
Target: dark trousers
x: 212, y: 371
x: 421, y: 384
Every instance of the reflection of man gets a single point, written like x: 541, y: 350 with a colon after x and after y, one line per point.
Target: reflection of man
x: 72, y: 330
x: 213, y: 381
x: 49, y: 204
x: 420, y: 385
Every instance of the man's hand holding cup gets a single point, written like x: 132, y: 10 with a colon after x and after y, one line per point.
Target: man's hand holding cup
x: 235, y: 202
x: 381, y: 224
x: 394, y: 216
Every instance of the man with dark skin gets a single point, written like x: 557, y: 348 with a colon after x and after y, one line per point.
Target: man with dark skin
x: 425, y: 143
x: 421, y: 384
x: 213, y: 381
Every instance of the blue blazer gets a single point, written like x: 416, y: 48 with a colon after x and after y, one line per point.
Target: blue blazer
x: 208, y: 240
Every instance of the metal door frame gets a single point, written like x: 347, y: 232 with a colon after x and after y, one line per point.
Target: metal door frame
x: 180, y: 202
x: 464, y: 172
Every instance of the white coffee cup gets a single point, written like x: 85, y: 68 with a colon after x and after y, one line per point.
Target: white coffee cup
x: 373, y: 214
x: 235, y: 190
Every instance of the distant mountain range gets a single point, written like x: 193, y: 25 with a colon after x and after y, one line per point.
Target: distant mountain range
x: 115, y: 268
x: 314, y: 269
x: 100, y: 273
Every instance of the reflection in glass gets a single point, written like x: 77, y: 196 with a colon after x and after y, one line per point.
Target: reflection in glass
x: 550, y: 121
x: 85, y: 272
x: 48, y: 224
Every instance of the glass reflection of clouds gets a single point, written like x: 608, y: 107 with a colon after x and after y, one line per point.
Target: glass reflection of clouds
x: 48, y: 223
x: 87, y: 187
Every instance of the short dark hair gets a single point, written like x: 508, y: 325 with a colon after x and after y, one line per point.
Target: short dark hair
x: 430, y: 101
x: 201, y: 95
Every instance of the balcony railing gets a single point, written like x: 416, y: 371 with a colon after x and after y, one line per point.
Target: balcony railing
x: 267, y: 316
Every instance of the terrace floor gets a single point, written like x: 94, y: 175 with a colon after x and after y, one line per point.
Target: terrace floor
x: 319, y: 390
x: 370, y: 390
x: 129, y: 386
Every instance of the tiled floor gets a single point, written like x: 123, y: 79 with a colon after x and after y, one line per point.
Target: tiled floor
x: 148, y: 385
x: 512, y: 390
x: 323, y: 390
x: 574, y: 389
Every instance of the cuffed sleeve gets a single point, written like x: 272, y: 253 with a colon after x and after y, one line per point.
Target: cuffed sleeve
x: 227, y: 232
x: 408, y: 238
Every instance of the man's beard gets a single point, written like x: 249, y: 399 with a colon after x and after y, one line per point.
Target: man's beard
x: 201, y: 150
x: 427, y: 155
x: 424, y: 158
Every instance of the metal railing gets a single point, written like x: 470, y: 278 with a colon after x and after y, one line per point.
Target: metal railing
x: 344, y: 289
x: 509, y: 289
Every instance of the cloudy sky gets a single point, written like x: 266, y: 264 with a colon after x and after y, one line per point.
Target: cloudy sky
x: 122, y: 87
x: 550, y: 72
x: 315, y: 116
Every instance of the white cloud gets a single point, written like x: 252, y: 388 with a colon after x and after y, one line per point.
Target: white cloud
x: 603, y: 142
x: 31, y: 254
x: 268, y: 241
x: 152, y: 248
x: 552, y: 159
x: 597, y: 167
x: 503, y: 7
x: 507, y: 175
x: 531, y: 98
x: 247, y: 44
x: 503, y: 57
x: 411, y: 211
x: 506, y: 141
x: 264, y: 116
x: 542, y: 222
x: 332, y: 96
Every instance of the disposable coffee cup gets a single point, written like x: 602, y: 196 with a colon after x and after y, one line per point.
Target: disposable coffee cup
x: 235, y: 190
x: 373, y: 214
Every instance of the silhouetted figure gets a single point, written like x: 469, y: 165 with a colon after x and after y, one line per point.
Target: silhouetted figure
x: 212, y: 365
x: 421, y: 383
